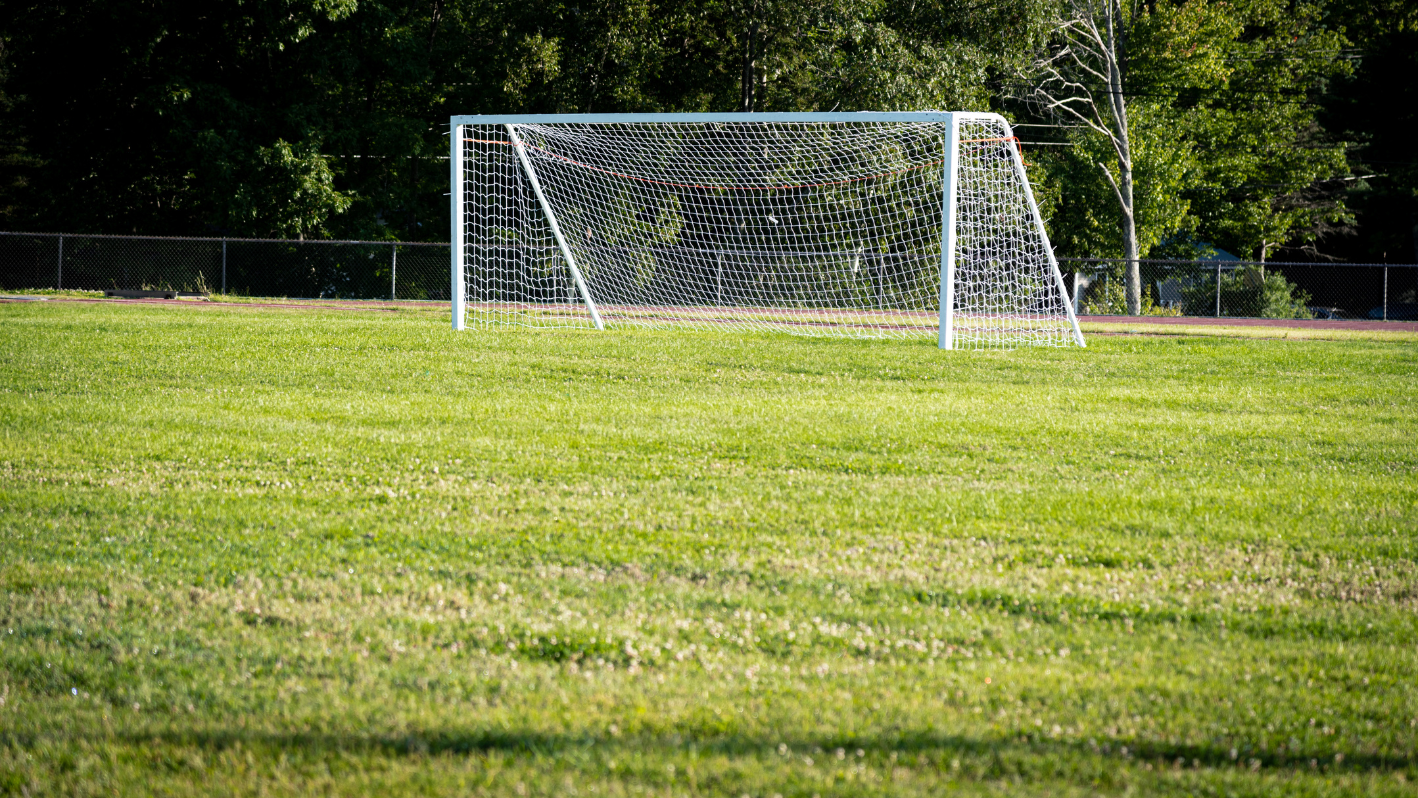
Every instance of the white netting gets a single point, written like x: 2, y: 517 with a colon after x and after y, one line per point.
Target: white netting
x: 811, y: 228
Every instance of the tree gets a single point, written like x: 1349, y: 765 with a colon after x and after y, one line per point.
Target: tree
x: 1081, y: 204
x: 1268, y: 176
x: 1376, y: 109
x: 327, y: 118
x: 1114, y: 70
x: 280, y: 191
x: 17, y: 164
x: 916, y: 55
x: 134, y: 110
x: 1084, y: 77
x: 1196, y: 123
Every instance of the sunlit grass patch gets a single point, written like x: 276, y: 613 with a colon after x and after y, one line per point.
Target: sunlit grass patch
x: 358, y: 553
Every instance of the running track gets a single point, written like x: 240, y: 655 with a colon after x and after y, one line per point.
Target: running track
x: 387, y: 306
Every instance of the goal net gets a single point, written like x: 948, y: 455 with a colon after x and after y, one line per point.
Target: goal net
x: 859, y: 225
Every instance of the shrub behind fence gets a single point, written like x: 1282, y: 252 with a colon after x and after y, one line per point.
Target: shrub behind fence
x: 1250, y: 289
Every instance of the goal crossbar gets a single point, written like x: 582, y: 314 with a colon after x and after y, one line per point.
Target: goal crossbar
x: 810, y: 223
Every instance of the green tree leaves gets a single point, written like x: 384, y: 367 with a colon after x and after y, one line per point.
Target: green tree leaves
x: 284, y: 191
x: 1225, y: 139
x: 1084, y: 209
x: 327, y: 117
x: 538, y: 62
x: 1375, y: 108
x: 1267, y: 174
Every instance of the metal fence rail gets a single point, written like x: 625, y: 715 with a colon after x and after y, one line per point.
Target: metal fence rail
x: 403, y: 270
x: 253, y: 267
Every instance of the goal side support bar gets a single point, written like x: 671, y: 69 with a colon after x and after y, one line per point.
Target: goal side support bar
x: 455, y: 160
x: 555, y: 228
x: 950, y: 180
x: 950, y: 171
x: 1044, y: 238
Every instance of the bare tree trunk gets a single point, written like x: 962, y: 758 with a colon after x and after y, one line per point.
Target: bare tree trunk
x: 1123, y: 146
x: 1134, y: 269
x: 749, y: 68
x: 1084, y: 79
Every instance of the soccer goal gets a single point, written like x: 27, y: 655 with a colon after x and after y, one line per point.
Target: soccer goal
x: 865, y: 225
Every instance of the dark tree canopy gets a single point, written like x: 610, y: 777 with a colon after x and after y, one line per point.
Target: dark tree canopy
x: 1376, y: 108
x: 327, y: 118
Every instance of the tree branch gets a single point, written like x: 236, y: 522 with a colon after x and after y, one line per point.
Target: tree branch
x: 1116, y: 191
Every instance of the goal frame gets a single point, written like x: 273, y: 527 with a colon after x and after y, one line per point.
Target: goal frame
x: 950, y: 168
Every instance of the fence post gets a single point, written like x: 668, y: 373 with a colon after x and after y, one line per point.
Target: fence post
x: 719, y: 280
x: 1077, y: 308
x: 1218, y: 290
x: 223, y: 266
x: 1385, y: 293
x: 393, y: 272
x: 59, y: 275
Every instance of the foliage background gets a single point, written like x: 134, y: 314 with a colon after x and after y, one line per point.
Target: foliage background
x: 1261, y: 125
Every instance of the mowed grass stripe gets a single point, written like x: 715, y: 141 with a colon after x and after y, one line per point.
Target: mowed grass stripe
x: 360, y: 553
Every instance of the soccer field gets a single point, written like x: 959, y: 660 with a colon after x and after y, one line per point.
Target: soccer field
x: 296, y: 552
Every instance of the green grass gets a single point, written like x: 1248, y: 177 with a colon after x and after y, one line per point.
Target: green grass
x: 296, y: 553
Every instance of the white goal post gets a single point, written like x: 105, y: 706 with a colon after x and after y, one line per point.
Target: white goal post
x: 843, y: 224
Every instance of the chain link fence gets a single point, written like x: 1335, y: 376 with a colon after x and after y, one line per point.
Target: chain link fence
x: 399, y: 270
x: 1249, y: 289
x: 251, y: 267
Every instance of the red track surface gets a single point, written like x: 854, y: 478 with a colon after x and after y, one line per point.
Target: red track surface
x: 388, y: 306
x: 1303, y: 324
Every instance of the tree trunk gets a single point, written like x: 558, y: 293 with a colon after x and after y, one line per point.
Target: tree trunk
x: 1116, y: 43
x: 1130, y: 253
x: 749, y: 68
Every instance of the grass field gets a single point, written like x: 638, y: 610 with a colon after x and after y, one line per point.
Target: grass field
x: 312, y: 552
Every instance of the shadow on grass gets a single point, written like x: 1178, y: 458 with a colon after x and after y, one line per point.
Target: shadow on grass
x: 981, y: 757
